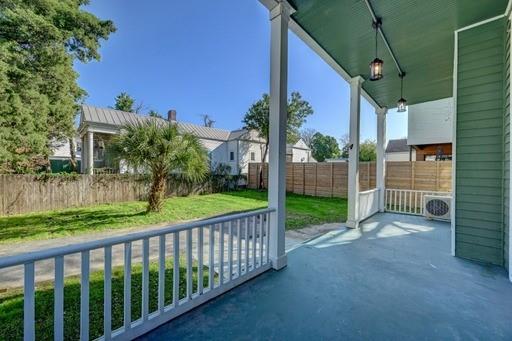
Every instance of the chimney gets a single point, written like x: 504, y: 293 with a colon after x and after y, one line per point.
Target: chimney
x: 171, y: 115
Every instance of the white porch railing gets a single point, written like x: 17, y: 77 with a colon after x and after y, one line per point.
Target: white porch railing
x: 368, y: 203
x: 407, y: 201
x: 237, y: 248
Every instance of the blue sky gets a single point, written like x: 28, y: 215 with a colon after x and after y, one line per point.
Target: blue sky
x: 212, y: 57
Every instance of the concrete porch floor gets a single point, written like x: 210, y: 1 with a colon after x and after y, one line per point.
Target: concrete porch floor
x: 393, y: 279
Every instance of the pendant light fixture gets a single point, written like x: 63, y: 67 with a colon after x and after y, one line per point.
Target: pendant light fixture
x: 402, y: 103
x: 377, y: 64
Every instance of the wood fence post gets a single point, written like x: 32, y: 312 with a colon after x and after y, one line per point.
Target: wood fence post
x: 437, y: 175
x: 303, y: 179
x: 332, y: 179
x: 293, y: 177
x: 368, y: 175
x: 316, y: 179
x: 413, y: 175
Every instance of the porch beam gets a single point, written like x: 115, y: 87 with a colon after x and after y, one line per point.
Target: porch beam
x: 279, y: 18
x: 319, y: 50
x: 381, y: 155
x: 353, y: 159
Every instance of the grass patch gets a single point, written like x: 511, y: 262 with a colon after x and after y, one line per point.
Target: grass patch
x: 11, y: 302
x: 301, y: 211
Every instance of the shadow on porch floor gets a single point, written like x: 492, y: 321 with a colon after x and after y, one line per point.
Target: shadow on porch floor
x: 394, y: 280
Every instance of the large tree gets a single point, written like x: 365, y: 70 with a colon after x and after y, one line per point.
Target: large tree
x: 368, y: 150
x: 307, y: 135
x: 345, y: 145
x: 324, y: 147
x: 124, y: 102
x: 257, y: 118
x: 39, y: 41
x: 159, y: 148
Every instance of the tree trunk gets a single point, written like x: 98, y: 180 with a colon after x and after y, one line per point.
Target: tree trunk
x: 157, y: 192
x: 261, y: 184
x: 72, y: 153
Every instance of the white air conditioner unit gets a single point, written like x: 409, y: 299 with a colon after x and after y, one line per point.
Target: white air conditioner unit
x: 437, y: 207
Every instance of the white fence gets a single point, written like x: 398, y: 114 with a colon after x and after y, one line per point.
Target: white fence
x: 237, y: 250
x: 407, y: 201
x: 368, y: 203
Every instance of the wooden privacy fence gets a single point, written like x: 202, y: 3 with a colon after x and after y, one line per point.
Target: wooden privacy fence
x: 419, y: 175
x: 330, y: 179
x: 29, y: 193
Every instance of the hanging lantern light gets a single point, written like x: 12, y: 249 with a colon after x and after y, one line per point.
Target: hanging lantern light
x: 376, y: 66
x: 402, y: 103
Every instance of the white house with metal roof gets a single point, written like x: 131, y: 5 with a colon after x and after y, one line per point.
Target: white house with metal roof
x: 235, y: 148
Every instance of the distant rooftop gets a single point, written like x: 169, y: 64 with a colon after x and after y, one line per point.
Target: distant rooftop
x: 397, y: 146
x: 118, y: 118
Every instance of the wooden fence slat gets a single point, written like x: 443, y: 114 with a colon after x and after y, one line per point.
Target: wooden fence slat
x: 28, y: 193
x: 331, y: 179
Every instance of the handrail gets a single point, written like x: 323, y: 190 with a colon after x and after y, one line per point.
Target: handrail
x: 238, y: 249
x: 97, y: 244
x: 369, y: 191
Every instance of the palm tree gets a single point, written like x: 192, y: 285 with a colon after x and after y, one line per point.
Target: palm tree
x: 158, y: 148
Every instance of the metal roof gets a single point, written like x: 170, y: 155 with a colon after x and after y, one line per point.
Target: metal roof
x: 420, y: 32
x: 117, y: 119
x: 397, y: 146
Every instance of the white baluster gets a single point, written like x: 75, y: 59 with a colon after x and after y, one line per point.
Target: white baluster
x: 254, y: 242
x: 230, y: 250
x: 176, y: 270
x: 200, y: 275
x: 127, y: 286
x: 239, y: 247
x: 267, y: 236
x: 221, y: 254
x: 145, y: 279
x: 107, y: 294
x: 58, y: 306
x: 189, y: 264
x: 246, y: 245
x: 211, y: 280
x: 84, y: 297
x: 29, y: 303
x: 161, y: 274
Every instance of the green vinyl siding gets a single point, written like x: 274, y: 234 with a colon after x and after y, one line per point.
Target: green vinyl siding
x: 480, y: 171
x: 506, y: 140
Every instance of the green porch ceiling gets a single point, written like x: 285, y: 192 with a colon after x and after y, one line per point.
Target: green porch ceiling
x: 421, y: 34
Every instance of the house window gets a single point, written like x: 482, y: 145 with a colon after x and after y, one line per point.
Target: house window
x: 253, y: 156
x: 231, y: 156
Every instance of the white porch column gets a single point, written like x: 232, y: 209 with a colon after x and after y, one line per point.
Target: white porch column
x: 90, y: 152
x: 510, y: 177
x: 353, y: 155
x: 381, y: 155
x: 83, y: 155
x: 279, y: 17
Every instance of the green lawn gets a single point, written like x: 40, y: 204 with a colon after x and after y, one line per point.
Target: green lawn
x: 11, y: 302
x: 301, y: 211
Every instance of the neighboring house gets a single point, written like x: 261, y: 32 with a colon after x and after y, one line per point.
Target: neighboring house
x: 61, y: 155
x: 299, y: 152
x: 235, y: 148
x: 399, y: 150
x: 430, y: 129
x: 429, y: 133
